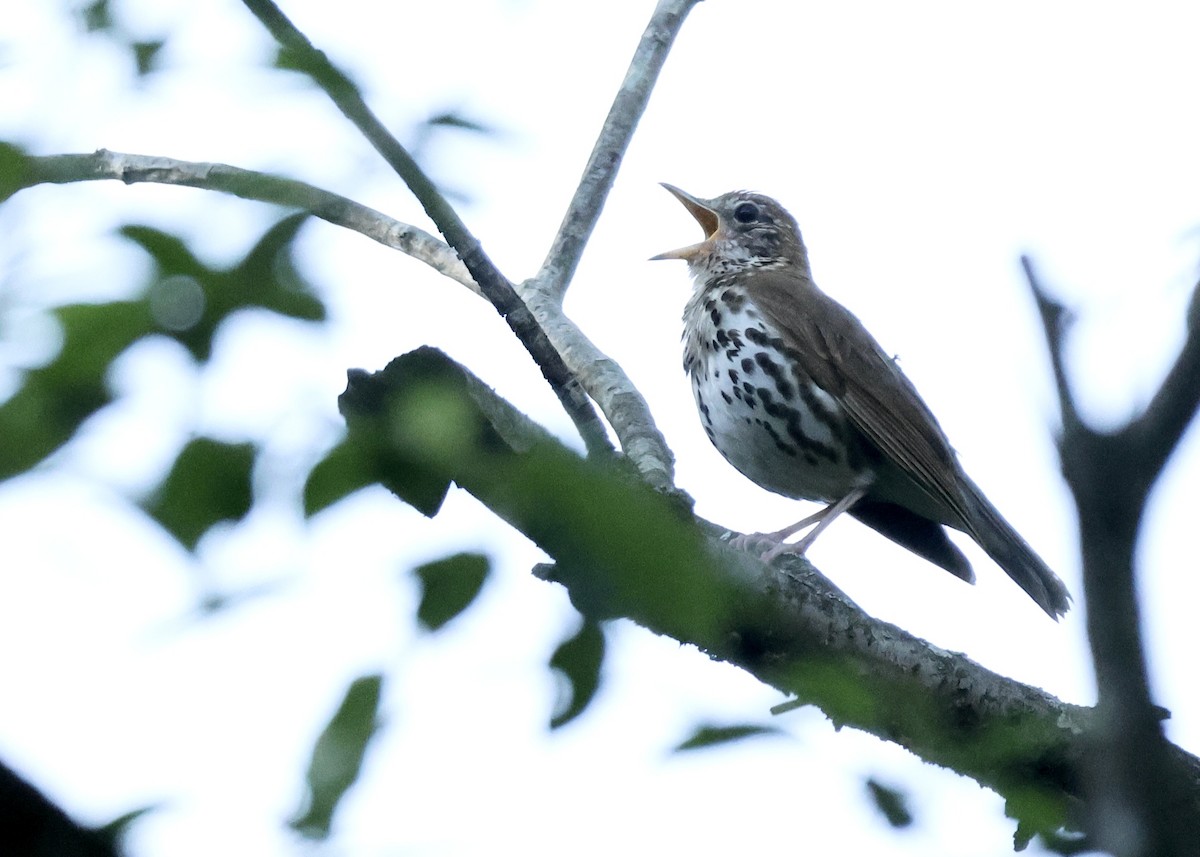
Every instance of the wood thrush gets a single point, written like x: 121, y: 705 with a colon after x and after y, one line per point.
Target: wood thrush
x: 799, y: 397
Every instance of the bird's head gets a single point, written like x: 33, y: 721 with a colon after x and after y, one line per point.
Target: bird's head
x: 742, y: 230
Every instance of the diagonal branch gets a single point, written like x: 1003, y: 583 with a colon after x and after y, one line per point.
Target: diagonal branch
x: 494, y: 285
x: 1158, y: 430
x: 624, y: 550
x: 601, y: 170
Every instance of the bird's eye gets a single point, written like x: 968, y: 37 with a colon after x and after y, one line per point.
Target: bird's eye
x: 747, y: 212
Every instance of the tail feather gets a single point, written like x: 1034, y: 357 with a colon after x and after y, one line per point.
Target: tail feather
x: 1011, y: 552
x: 920, y: 535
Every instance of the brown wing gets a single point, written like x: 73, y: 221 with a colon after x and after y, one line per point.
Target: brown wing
x: 838, y: 353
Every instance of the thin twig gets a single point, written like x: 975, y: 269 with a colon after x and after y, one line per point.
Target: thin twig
x: 601, y: 170
x: 494, y: 285
x: 1158, y: 430
x: 1055, y: 322
x: 249, y: 184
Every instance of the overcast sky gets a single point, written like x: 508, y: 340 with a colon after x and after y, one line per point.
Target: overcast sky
x: 922, y: 148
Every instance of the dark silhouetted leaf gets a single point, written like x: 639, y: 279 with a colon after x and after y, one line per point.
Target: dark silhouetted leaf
x: 448, y: 587
x: 14, y: 169
x: 711, y: 736
x: 338, y: 756
x: 368, y: 408
x: 145, y: 55
x: 209, y: 482
x: 892, y: 803
x: 578, y: 660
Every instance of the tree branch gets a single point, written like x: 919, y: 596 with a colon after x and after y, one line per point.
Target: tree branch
x: 622, y: 549
x: 1133, y: 771
x: 601, y: 170
x: 603, y: 379
x: 249, y: 184
x: 492, y: 283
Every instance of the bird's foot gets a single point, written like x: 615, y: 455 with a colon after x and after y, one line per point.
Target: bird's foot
x: 768, y: 545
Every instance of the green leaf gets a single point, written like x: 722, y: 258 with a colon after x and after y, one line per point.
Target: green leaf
x: 54, y: 400
x: 578, y: 660
x: 268, y: 276
x: 1039, y: 812
x: 345, y: 469
x: 114, y: 832
x: 892, y: 803
x: 711, y: 736
x: 209, y: 483
x: 169, y: 252
x: 338, y: 755
x: 145, y: 55
x: 367, y: 407
x: 14, y: 169
x: 96, y: 16
x: 448, y: 587
x: 190, y: 300
x: 450, y: 119
x: 39, y: 418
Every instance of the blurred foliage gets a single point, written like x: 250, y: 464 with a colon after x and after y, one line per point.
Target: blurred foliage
x: 711, y: 736
x: 891, y: 803
x: 448, y: 587
x: 338, y: 755
x: 209, y: 483
x: 578, y: 661
x: 1045, y: 816
x: 96, y: 17
x: 14, y: 169
x: 113, y: 833
x: 99, y: 18
x: 184, y: 300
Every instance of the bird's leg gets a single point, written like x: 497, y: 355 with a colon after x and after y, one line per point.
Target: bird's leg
x: 822, y: 519
x: 827, y: 517
x: 747, y: 541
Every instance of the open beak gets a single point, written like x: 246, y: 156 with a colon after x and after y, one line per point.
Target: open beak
x: 705, y: 216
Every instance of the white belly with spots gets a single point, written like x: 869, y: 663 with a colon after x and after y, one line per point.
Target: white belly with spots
x: 766, y: 419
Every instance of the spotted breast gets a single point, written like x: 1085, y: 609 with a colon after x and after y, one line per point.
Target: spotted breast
x: 761, y: 412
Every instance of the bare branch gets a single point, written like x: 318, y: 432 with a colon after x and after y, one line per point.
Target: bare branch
x: 248, y: 184
x: 1055, y: 322
x: 1156, y: 432
x: 494, y: 285
x: 606, y: 382
x: 1136, y: 783
x: 601, y: 170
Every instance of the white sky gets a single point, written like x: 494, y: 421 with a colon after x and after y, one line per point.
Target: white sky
x: 922, y: 147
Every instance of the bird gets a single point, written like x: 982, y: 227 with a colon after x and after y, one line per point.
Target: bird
x: 799, y: 397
